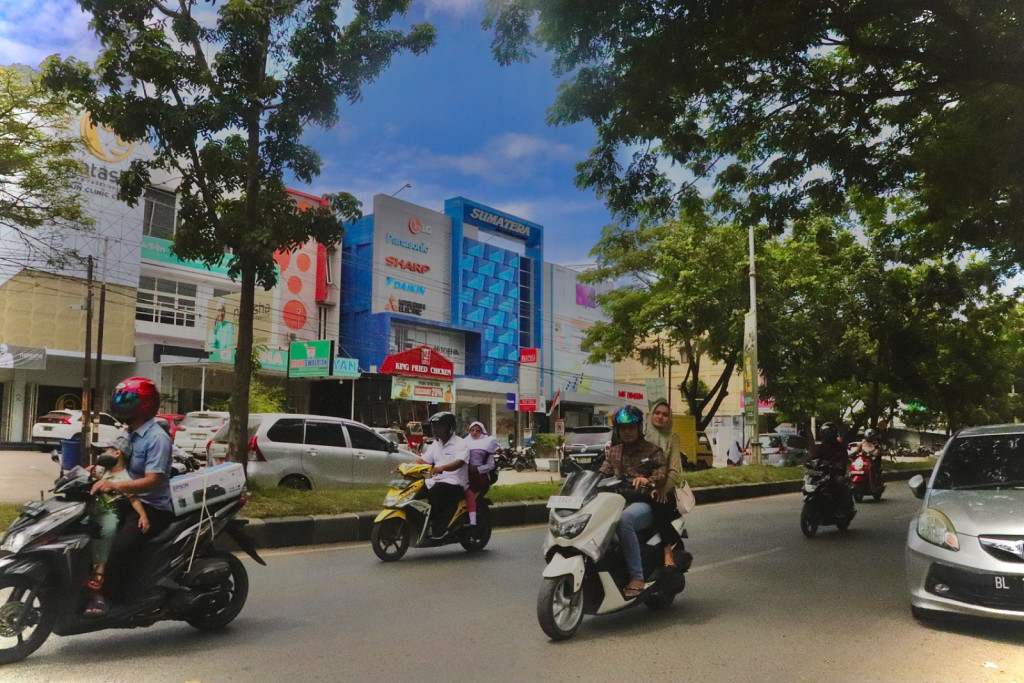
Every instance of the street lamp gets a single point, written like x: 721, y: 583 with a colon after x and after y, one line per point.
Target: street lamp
x: 401, y: 188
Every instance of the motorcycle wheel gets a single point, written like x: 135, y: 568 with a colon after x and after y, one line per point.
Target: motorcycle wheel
x: 559, y: 608
x: 858, y: 497
x: 810, y: 518
x: 237, y: 588
x: 520, y: 466
x: 477, y: 540
x: 16, y: 643
x: 876, y: 496
x: 390, y: 539
x: 664, y: 598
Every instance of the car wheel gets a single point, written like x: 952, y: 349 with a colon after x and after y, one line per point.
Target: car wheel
x: 297, y: 482
x: 858, y: 497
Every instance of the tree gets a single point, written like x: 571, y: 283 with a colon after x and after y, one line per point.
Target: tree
x: 223, y: 91
x: 38, y: 172
x: 788, y: 109
x: 685, y: 285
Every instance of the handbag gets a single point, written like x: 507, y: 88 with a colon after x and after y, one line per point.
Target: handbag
x: 685, y: 500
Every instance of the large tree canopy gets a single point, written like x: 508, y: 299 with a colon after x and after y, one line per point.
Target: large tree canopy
x: 787, y: 107
x: 39, y: 172
x: 223, y: 91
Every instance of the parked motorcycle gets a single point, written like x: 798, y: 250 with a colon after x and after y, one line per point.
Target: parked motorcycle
x: 504, y: 458
x: 403, y: 521
x: 524, y: 459
x: 585, y: 571
x: 179, y: 574
x: 866, y: 477
x: 826, y: 499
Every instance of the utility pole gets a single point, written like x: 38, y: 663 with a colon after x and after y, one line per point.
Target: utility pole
x: 751, y: 377
x: 83, y: 453
x: 97, y: 395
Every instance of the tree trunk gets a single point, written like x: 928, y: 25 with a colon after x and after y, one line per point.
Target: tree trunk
x: 238, y: 446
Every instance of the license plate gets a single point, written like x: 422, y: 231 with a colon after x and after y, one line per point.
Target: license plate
x: 565, y: 502
x: 47, y: 429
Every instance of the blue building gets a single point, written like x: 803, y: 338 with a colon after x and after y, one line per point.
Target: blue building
x: 466, y: 282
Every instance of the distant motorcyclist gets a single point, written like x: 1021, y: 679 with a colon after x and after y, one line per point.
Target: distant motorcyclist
x: 871, y: 446
x: 832, y: 451
x: 449, y: 475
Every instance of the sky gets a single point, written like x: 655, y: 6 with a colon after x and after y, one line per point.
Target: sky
x: 449, y: 123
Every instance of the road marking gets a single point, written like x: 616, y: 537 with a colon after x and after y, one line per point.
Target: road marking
x: 741, y: 558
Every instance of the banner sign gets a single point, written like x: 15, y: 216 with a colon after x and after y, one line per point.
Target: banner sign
x: 528, y: 405
x: 22, y: 357
x: 527, y: 355
x: 346, y: 368
x: 310, y: 358
x: 750, y: 376
x: 421, y: 361
x: 510, y: 400
x: 417, y: 389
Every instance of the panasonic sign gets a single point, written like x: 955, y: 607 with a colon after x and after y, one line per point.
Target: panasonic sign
x: 503, y: 224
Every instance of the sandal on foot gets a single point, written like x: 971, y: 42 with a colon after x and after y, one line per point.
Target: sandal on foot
x: 97, y: 607
x: 633, y: 589
x: 95, y: 583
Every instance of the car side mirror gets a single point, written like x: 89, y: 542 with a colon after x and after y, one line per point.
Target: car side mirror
x: 392, y: 447
x: 917, y: 485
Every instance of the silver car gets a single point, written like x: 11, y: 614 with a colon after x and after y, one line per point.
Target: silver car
x: 196, y: 430
x: 314, y: 451
x: 965, y: 548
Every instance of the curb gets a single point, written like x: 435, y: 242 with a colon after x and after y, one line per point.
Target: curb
x: 283, y: 532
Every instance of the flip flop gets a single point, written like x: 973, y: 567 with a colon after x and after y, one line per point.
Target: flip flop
x: 632, y: 590
x: 95, y: 583
x: 97, y: 607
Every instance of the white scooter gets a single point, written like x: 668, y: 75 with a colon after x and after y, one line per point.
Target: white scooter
x: 586, y: 572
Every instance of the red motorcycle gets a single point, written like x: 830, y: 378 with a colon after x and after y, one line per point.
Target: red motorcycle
x: 866, y: 476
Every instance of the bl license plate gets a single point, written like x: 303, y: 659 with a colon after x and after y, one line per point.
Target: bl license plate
x: 565, y: 502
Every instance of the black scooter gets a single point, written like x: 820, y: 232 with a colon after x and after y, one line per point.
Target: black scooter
x: 179, y: 575
x: 827, y: 499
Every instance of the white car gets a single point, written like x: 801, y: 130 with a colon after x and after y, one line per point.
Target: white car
x: 396, y: 436
x: 196, y: 430
x: 55, y: 425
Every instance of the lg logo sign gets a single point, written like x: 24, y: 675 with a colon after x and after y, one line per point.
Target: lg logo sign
x: 416, y: 227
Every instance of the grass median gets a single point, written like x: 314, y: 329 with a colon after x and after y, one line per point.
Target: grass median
x: 282, y: 502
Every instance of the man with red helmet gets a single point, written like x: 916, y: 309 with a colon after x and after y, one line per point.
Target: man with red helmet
x: 135, y: 402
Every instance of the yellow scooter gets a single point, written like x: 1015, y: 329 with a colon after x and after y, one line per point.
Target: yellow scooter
x: 403, y: 521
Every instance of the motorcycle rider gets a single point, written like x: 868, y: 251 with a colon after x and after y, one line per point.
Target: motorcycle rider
x: 834, y: 454
x: 481, y: 448
x: 135, y: 402
x: 872, y: 447
x: 449, y: 475
x: 643, y: 464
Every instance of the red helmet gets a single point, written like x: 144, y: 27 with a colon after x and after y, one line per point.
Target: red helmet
x: 135, y: 397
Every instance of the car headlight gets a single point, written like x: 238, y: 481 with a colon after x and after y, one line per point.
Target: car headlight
x: 570, y: 528
x: 935, y: 527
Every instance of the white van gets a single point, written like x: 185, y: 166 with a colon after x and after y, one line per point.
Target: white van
x: 196, y: 429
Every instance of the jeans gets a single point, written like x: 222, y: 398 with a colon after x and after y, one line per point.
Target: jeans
x: 636, y: 517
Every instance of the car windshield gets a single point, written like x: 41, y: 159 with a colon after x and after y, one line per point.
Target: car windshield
x: 595, y: 438
x: 978, y: 462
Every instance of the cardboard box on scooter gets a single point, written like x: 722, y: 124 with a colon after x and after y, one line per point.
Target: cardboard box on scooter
x: 212, y: 484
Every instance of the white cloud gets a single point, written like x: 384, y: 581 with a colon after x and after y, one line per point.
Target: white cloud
x: 31, y: 30
x: 457, y: 8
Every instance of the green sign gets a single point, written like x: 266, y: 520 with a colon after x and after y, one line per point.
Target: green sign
x: 156, y: 249
x: 310, y: 358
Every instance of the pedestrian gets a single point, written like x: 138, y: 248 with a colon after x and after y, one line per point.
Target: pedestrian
x: 734, y: 457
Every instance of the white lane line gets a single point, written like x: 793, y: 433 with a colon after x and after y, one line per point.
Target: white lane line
x: 741, y: 558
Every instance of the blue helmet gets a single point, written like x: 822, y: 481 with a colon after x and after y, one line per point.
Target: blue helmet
x: 628, y: 415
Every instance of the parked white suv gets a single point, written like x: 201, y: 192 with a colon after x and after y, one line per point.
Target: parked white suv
x: 49, y: 429
x: 313, y: 451
x: 197, y: 429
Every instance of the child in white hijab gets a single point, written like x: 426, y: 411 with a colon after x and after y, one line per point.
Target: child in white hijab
x: 481, y: 447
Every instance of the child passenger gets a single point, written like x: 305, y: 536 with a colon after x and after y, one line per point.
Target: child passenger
x: 105, y: 511
x: 481, y: 448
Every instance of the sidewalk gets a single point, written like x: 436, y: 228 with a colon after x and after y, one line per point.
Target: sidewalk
x: 29, y: 475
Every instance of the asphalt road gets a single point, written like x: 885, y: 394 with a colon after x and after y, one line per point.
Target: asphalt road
x: 762, y: 603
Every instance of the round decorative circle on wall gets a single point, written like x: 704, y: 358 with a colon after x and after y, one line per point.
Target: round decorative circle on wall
x: 294, y: 314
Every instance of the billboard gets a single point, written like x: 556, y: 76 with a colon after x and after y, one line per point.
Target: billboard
x: 411, y: 260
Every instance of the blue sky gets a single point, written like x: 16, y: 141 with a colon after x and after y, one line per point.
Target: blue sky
x: 452, y: 122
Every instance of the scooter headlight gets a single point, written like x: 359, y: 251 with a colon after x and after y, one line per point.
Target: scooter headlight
x: 858, y: 464
x: 570, y: 528
x: 935, y: 527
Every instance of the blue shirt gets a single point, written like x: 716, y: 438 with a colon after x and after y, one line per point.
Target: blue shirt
x: 151, y: 453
